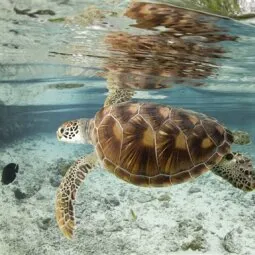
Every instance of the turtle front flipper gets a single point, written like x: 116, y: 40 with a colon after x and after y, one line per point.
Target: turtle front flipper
x: 118, y: 92
x: 236, y: 169
x: 66, y: 193
x: 241, y: 137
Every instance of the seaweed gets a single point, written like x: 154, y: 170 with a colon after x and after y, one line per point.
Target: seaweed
x: 134, y: 216
x: 228, y: 8
x: 56, y: 20
x: 66, y: 86
x: 35, y: 13
x: 223, y: 7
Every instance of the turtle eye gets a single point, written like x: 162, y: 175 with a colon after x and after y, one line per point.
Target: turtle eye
x: 229, y: 156
x: 61, y: 130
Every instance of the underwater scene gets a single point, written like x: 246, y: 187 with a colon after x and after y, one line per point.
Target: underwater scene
x: 127, y: 127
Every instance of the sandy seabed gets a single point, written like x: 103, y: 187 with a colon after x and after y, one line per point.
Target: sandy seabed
x: 205, y: 216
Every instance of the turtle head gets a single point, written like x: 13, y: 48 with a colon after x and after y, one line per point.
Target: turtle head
x: 238, y: 170
x: 74, y: 131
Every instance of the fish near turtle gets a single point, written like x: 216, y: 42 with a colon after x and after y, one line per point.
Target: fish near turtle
x: 150, y: 145
x: 9, y: 173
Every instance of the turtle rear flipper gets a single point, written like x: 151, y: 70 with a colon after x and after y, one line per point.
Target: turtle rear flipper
x: 241, y: 137
x: 237, y: 169
x: 66, y: 193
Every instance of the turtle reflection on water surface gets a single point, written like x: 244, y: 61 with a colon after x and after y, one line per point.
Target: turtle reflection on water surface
x: 175, y: 45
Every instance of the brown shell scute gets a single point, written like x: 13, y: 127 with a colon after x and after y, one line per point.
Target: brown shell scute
x: 215, y: 131
x: 156, y: 115
x: 154, y: 145
x: 110, y: 137
x: 173, y: 154
x: 124, y: 112
x: 101, y: 114
x: 200, y: 145
x: 138, y: 154
x: 185, y: 120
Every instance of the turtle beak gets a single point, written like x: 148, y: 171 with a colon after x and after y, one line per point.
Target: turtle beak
x: 59, y: 134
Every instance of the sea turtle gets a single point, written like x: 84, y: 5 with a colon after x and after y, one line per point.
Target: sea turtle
x: 150, y: 145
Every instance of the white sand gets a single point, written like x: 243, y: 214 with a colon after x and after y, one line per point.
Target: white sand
x: 198, y: 214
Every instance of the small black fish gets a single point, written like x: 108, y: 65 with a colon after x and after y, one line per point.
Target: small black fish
x: 9, y: 173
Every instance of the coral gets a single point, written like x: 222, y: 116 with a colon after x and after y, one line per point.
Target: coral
x: 231, y: 241
x: 196, y: 243
x: 193, y: 235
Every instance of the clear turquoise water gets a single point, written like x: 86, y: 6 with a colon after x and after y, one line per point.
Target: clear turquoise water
x: 41, y: 57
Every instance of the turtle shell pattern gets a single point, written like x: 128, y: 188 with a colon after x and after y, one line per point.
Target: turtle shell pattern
x: 154, y: 145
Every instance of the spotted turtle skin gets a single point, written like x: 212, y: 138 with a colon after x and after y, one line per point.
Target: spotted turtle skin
x: 154, y: 145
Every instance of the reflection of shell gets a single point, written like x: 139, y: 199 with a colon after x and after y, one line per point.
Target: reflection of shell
x: 148, y: 144
x: 177, y: 53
